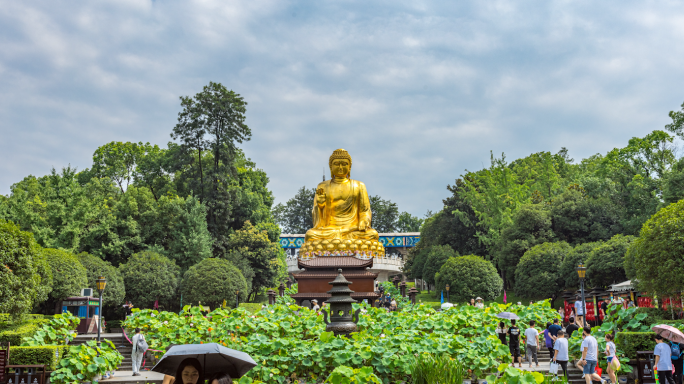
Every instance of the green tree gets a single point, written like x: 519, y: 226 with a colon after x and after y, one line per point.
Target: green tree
x: 415, y: 261
x: 384, y: 214
x: 455, y: 225
x: 655, y: 257
x: 295, y: 215
x: 149, y: 276
x: 605, y: 264
x: 18, y: 276
x: 579, y: 254
x: 469, y: 276
x: 408, y: 223
x: 531, y: 226
x: 673, y: 186
x: 578, y: 218
x: 213, y: 280
x: 437, y: 256
x: 115, y: 292
x: 68, y: 275
x: 261, y: 261
x: 178, y: 230
x: 213, y: 121
x: 151, y: 170
x: 117, y: 161
x: 677, y: 125
x: 538, y: 273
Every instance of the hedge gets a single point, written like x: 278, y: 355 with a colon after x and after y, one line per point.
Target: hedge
x: 15, y: 333
x: 49, y: 355
x: 631, y: 342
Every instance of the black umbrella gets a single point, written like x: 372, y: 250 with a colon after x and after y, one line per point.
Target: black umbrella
x: 213, y: 357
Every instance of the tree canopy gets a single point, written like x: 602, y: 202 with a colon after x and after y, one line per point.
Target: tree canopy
x: 655, y: 258
x: 538, y: 273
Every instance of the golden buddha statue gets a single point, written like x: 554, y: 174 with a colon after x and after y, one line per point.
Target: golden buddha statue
x: 341, y: 215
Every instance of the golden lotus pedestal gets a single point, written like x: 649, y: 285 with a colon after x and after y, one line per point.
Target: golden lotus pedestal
x: 337, y: 247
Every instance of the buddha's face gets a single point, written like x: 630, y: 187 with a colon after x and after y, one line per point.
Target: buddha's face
x: 340, y: 167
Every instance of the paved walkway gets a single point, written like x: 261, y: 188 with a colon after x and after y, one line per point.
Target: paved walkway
x: 127, y: 377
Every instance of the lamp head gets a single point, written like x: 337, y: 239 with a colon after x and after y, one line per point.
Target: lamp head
x: 581, y: 271
x: 101, y: 283
x: 447, y: 287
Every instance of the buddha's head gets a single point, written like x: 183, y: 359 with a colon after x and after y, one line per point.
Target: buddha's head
x: 340, y: 163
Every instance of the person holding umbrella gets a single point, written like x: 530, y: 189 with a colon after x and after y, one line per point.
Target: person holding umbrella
x: 192, y: 363
x: 189, y: 372
x: 663, y: 362
x: 674, y: 351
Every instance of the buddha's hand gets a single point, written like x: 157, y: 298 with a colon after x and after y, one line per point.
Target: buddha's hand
x: 363, y: 225
x: 320, y: 197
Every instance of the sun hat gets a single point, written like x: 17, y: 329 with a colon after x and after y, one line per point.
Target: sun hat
x: 478, y: 298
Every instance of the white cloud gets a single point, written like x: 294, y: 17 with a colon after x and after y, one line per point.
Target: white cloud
x: 417, y: 91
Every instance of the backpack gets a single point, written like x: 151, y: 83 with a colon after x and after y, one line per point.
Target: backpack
x: 141, y: 345
x: 676, y: 351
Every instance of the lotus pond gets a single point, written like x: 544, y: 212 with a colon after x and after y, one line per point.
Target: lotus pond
x: 289, y: 342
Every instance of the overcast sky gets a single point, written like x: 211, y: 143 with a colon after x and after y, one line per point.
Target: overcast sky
x: 416, y: 91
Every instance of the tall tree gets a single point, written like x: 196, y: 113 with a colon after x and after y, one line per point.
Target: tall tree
x: 437, y: 256
x: 117, y: 161
x: 295, y: 215
x: 538, y: 273
x: 384, y: 214
x: 213, y: 121
x: 408, y: 223
x: 261, y: 261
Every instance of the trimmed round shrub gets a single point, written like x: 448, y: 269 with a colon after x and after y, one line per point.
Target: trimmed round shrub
x: 468, y: 277
x: 149, y: 276
x: 213, y: 280
x: 538, y: 276
x: 114, y: 292
x: 655, y: 258
x: 68, y: 275
x: 18, y: 276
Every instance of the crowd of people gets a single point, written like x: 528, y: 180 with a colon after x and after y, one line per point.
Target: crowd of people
x: 668, y: 355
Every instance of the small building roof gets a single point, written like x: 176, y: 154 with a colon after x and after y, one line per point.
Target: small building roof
x: 332, y: 275
x: 624, y: 286
x: 327, y: 262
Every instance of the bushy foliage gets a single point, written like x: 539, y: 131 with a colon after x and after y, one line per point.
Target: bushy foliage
x: 86, y: 361
x: 149, y: 276
x: 469, y: 276
x: 655, y: 258
x: 568, y: 271
x: 58, y: 331
x: 290, y: 342
x: 95, y: 267
x: 261, y: 260
x: 68, y: 275
x: 538, y: 273
x: 19, y: 280
x: 437, y: 256
x: 605, y: 264
x: 531, y: 226
x: 213, y: 280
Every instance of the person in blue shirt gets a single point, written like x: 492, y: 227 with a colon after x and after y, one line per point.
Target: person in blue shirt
x: 579, y: 312
x: 663, y: 361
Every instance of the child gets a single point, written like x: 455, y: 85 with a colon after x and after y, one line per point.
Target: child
x: 610, y: 352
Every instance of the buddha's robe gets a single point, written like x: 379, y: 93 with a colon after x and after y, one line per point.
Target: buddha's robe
x: 346, y: 205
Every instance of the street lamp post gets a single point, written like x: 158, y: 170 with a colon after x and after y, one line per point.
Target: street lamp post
x: 101, y: 283
x: 582, y: 273
x: 447, y: 288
